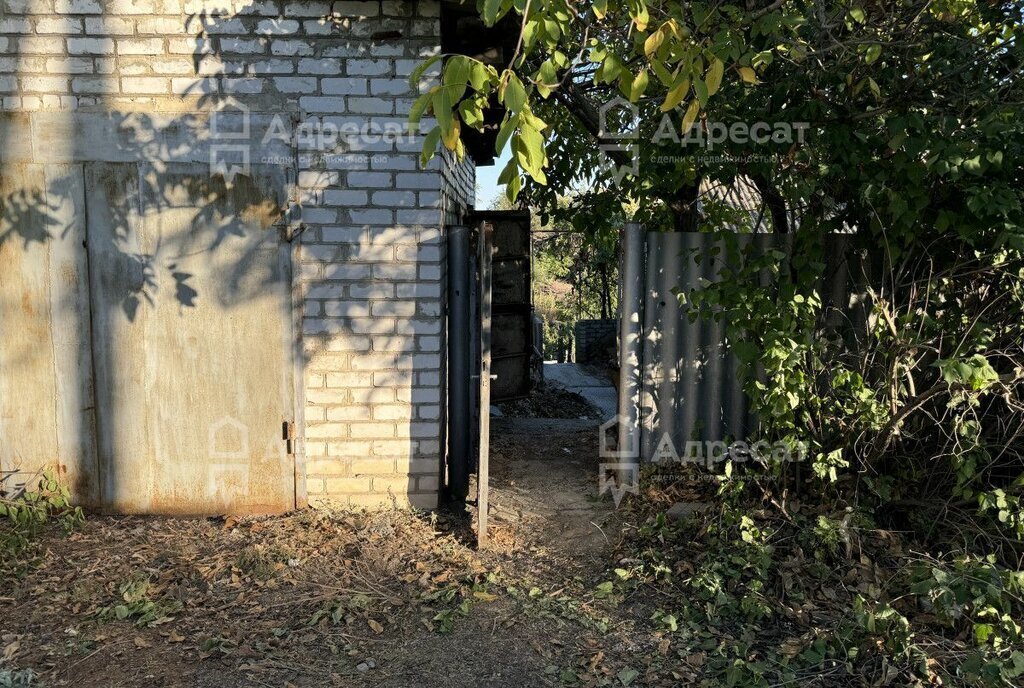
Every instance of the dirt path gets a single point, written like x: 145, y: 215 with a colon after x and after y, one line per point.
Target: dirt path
x: 547, y: 525
x: 544, y: 475
x: 313, y: 599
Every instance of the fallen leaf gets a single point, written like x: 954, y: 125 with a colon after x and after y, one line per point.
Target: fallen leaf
x: 791, y: 647
x: 11, y: 649
x: 377, y: 627
x: 627, y: 675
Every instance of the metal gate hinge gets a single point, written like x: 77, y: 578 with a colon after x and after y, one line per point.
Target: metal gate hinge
x: 288, y: 435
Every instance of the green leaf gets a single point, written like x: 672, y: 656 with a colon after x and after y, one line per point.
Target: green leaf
x: 873, y: 53
x: 513, y: 188
x: 479, y: 74
x: 746, y: 352
x: 491, y: 10
x: 505, y: 132
x: 510, y: 170
x: 627, y: 675
x: 442, y: 105
x: 701, y: 89
x: 430, y: 142
x: 982, y: 632
x: 973, y: 165
x: 419, y: 107
x: 610, y: 69
x: 417, y: 74
x: 456, y: 77
x: 547, y: 79
x: 664, y: 76
x: 471, y: 113
x: 513, y: 95
x: 528, y: 147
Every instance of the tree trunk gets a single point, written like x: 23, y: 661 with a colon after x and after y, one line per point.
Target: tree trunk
x: 775, y: 202
x: 605, y: 292
x: 683, y: 204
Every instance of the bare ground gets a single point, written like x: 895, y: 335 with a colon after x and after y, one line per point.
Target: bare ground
x: 320, y: 599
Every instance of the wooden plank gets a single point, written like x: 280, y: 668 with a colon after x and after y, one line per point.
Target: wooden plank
x: 46, y: 400
x: 192, y: 339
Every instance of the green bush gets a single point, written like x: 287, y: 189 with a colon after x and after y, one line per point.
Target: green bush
x: 43, y: 502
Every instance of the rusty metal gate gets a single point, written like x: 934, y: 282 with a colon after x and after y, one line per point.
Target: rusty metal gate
x: 512, y: 317
x: 148, y: 344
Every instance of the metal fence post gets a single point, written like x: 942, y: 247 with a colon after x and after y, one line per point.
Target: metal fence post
x: 631, y: 338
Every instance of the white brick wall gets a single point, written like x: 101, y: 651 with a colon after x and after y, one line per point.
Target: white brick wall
x: 371, y: 262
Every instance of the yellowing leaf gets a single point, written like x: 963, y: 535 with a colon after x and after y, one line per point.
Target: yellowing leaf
x: 641, y: 18
x: 450, y: 137
x: 748, y: 75
x: 484, y: 596
x: 713, y: 78
x: 675, y: 96
x: 639, y: 86
x: 691, y: 115
x: 653, y: 42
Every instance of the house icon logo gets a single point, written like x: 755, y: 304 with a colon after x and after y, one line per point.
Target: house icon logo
x: 619, y: 430
x: 617, y: 120
x: 226, y: 483
x: 229, y: 135
x: 619, y: 479
x: 229, y: 440
x: 618, y: 138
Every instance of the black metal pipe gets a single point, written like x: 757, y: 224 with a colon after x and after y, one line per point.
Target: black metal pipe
x: 460, y: 418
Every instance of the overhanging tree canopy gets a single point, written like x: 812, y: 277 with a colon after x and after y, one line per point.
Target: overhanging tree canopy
x: 911, y: 108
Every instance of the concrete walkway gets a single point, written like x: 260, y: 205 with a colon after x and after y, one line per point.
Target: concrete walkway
x: 598, y: 391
